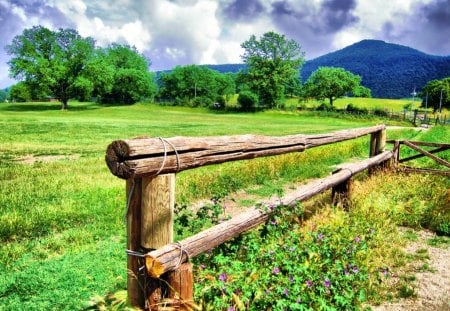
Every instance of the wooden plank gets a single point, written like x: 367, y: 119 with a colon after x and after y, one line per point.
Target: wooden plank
x: 420, y: 155
x: 158, y: 198
x: 421, y: 143
x: 181, y: 287
x: 407, y: 169
x: 150, y: 156
x: 428, y: 154
x: 135, y: 279
x: 169, y: 257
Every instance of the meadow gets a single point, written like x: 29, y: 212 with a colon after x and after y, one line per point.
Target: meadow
x: 62, y: 212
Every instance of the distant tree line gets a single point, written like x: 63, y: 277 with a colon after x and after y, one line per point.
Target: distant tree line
x: 64, y: 65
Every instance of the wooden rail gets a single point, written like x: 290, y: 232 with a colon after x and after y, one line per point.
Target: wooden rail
x: 439, y: 147
x: 150, y: 164
x: 134, y: 158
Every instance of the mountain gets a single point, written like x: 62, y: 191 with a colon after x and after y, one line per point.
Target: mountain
x: 389, y: 70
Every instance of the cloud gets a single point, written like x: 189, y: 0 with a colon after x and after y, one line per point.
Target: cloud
x: 243, y: 10
x: 424, y: 26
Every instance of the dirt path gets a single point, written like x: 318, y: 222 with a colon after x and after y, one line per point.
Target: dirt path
x: 432, y: 286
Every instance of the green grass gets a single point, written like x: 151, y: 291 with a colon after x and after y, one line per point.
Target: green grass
x: 61, y: 222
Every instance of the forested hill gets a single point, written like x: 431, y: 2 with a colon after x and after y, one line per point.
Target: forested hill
x: 389, y: 70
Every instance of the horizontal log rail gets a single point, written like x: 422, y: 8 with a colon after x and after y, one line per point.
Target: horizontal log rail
x: 169, y: 257
x: 135, y: 158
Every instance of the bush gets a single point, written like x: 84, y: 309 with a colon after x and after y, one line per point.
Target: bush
x: 325, y: 107
x: 354, y: 109
x: 247, y: 101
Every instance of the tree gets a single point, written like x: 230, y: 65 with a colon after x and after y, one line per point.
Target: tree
x: 194, y: 85
x: 20, y: 92
x: 123, y: 75
x: 361, y: 91
x: 331, y: 83
x: 436, y: 94
x: 3, y: 95
x: 273, y: 62
x: 52, y: 61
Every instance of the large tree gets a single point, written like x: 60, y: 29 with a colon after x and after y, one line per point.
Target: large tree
x: 52, y: 61
x: 436, y: 94
x: 330, y: 83
x: 273, y: 63
x: 122, y: 75
x: 194, y: 85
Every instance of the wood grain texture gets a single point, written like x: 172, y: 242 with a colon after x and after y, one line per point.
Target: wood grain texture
x: 152, y: 156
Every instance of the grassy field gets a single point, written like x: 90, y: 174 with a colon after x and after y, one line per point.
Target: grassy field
x: 61, y: 210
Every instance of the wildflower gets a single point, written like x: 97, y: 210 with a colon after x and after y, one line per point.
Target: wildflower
x: 286, y: 291
x: 267, y: 291
x: 386, y: 272
x: 223, y: 277
x: 292, y: 249
x: 320, y: 236
x: 276, y: 270
x: 299, y: 300
x: 355, y: 269
x: 271, y: 253
x: 231, y: 308
x: 272, y: 207
x: 357, y: 239
x: 346, y: 272
x: 327, y: 283
x: 273, y: 222
x: 202, y: 266
x: 291, y: 278
x: 371, y: 230
x: 309, y: 283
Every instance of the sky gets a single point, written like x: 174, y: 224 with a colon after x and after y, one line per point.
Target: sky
x: 181, y: 32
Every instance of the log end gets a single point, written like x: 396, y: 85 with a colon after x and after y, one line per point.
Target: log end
x: 154, y: 268
x: 115, y: 160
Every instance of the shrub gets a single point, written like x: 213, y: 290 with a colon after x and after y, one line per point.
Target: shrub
x: 325, y: 107
x: 247, y: 100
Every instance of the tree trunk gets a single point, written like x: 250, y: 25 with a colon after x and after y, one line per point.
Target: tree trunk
x: 64, y: 105
x: 331, y: 101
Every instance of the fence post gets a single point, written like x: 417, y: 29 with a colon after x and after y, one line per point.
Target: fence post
x: 396, y: 152
x: 341, y: 193
x: 135, y: 279
x: 158, y: 199
x: 181, y: 287
x: 377, y: 146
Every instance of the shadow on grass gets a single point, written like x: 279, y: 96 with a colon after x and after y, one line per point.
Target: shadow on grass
x: 44, y: 106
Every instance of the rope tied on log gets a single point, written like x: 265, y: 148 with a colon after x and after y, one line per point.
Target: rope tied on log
x: 164, y: 141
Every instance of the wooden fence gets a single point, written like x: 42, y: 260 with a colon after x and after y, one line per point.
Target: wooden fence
x: 416, y: 145
x: 149, y: 166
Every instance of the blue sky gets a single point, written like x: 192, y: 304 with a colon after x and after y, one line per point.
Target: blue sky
x: 180, y: 32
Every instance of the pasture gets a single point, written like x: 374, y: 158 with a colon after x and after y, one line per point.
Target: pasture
x: 61, y: 211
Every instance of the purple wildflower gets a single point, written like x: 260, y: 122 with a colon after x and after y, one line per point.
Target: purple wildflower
x: 276, y: 270
x: 271, y: 207
x: 231, y: 308
x: 273, y: 222
x: 291, y: 278
x: 357, y: 239
x: 202, y: 266
x: 346, y: 272
x: 386, y: 272
x: 223, y: 277
x: 286, y: 291
x: 327, y: 283
x: 309, y: 283
x: 320, y: 236
x: 355, y: 269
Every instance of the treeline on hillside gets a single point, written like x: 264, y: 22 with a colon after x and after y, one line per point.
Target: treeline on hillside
x: 64, y: 65
x: 388, y: 70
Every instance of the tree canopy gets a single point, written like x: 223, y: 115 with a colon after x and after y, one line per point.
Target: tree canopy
x: 195, y: 85
x: 436, y: 94
x: 64, y: 65
x: 330, y: 83
x: 51, y: 61
x: 273, y: 63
